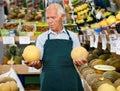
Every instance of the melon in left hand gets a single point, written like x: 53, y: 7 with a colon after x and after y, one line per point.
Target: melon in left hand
x: 79, y: 53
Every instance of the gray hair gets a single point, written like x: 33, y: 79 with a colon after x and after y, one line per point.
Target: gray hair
x: 60, y: 9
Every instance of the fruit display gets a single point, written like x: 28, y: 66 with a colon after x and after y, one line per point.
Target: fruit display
x: 27, y: 28
x: 19, y: 11
x: 9, y: 29
x: 86, y: 14
x: 100, y: 54
x: 16, y: 13
x: 94, y: 62
x: 99, y: 76
x: 82, y: 13
x: 12, y: 55
x: 10, y: 25
x: 41, y: 27
x: 34, y: 15
x: 97, y: 82
x: 111, y: 75
x: 8, y: 84
x: 31, y: 53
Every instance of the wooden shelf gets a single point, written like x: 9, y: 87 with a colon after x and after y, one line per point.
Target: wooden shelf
x: 20, y: 69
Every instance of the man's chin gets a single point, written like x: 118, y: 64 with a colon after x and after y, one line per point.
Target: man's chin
x: 52, y: 28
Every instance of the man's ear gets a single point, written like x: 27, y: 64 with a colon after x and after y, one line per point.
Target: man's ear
x: 63, y: 16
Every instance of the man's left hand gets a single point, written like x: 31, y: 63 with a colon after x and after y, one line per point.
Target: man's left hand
x: 79, y: 62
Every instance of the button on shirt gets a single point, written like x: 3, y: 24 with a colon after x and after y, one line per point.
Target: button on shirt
x: 62, y: 35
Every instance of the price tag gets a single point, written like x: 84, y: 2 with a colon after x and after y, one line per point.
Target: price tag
x: 81, y: 38
x: 104, y: 41
x: 24, y: 40
x: 99, y: 15
x: 96, y: 40
x: 8, y: 40
x: 89, y: 32
x: 84, y: 39
x: 91, y: 40
x: 113, y: 42
x: 118, y: 45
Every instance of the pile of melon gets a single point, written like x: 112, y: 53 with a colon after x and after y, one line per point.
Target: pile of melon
x: 8, y: 84
x: 98, y: 80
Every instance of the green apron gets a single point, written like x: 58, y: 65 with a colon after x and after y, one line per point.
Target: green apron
x: 59, y: 73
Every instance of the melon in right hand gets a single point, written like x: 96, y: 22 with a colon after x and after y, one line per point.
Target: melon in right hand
x: 31, y: 53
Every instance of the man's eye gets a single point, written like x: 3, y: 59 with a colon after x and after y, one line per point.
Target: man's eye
x: 50, y: 18
x: 47, y: 17
x: 53, y: 17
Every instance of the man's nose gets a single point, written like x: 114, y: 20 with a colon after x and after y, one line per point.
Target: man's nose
x: 49, y: 20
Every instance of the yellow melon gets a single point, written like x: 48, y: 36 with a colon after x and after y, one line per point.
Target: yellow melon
x: 31, y: 53
x: 6, y: 79
x: 8, y: 84
x: 106, y: 87
x: 79, y: 53
x: 13, y: 86
x: 4, y: 87
x: 118, y: 88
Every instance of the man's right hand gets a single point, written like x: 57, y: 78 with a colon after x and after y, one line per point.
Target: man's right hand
x: 36, y: 64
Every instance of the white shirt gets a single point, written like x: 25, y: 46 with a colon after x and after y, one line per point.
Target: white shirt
x: 62, y: 35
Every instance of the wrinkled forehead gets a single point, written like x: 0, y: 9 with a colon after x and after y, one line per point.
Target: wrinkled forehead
x: 53, y: 7
x: 52, y: 10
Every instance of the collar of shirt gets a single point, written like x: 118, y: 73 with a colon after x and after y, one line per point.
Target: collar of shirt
x: 52, y: 32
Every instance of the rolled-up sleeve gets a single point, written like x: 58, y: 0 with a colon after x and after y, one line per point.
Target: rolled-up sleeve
x: 40, y: 43
x: 75, y: 39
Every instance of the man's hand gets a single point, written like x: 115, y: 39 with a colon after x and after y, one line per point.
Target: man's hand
x: 36, y: 64
x: 79, y: 62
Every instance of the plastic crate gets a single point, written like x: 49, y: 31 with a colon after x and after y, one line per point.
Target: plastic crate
x: 32, y: 79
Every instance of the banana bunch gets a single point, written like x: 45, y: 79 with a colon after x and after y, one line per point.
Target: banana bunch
x: 81, y: 7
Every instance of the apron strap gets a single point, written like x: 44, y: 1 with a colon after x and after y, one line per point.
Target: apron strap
x: 48, y: 36
x: 66, y: 32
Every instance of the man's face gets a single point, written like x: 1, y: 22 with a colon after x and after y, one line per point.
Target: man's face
x: 53, y: 19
